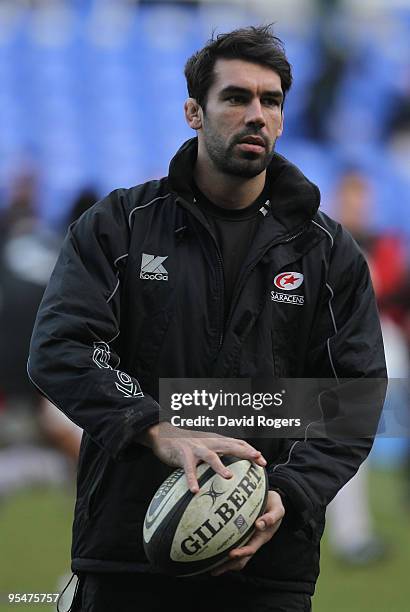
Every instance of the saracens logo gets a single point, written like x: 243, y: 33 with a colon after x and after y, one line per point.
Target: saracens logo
x: 287, y: 281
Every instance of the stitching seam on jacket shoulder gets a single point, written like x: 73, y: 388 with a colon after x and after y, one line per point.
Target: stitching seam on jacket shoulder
x: 325, y: 230
x: 145, y: 205
x: 118, y: 281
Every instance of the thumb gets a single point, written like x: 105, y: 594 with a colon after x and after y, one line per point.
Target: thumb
x: 270, y: 519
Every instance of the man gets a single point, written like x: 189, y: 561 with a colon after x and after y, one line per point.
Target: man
x: 175, y: 278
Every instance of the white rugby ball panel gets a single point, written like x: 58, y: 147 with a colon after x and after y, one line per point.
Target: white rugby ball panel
x: 220, y: 514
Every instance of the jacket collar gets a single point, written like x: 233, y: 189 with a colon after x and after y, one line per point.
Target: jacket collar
x: 294, y: 199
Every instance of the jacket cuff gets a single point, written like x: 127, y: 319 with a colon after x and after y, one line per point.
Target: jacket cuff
x: 137, y: 419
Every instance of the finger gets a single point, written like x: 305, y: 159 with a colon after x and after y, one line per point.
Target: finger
x: 189, y: 465
x: 274, y: 511
x: 231, y: 566
x: 238, y: 448
x: 205, y: 454
x: 271, y: 518
x: 261, y: 460
x: 268, y: 522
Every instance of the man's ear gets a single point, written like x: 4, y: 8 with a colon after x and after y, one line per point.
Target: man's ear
x: 193, y: 114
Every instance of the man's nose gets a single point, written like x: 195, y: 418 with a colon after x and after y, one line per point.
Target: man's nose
x: 254, y: 114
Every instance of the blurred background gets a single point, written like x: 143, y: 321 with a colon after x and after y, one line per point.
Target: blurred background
x: 91, y: 98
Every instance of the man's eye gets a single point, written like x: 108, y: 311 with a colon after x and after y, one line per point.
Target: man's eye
x: 236, y: 99
x: 271, y: 102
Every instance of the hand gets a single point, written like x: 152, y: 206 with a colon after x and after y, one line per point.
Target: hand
x: 183, y: 448
x: 266, y: 527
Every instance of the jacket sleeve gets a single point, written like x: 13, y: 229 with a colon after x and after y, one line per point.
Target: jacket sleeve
x: 74, y: 357
x: 346, y: 351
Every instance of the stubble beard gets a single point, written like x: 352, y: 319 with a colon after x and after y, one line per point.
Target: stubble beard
x: 227, y: 160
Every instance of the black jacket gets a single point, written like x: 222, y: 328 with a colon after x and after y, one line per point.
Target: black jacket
x: 105, y: 333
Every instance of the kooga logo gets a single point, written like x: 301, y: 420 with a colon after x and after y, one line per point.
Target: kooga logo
x: 152, y: 268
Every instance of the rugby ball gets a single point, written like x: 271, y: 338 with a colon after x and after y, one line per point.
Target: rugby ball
x: 186, y: 533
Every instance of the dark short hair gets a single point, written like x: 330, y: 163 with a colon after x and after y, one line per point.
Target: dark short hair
x: 255, y: 44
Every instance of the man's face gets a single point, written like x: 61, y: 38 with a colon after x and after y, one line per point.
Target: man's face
x: 243, y: 117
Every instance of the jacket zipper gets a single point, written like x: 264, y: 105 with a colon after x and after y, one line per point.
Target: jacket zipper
x: 222, y: 285
x: 221, y: 312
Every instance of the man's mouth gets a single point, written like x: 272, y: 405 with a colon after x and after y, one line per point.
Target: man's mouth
x: 253, y: 144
